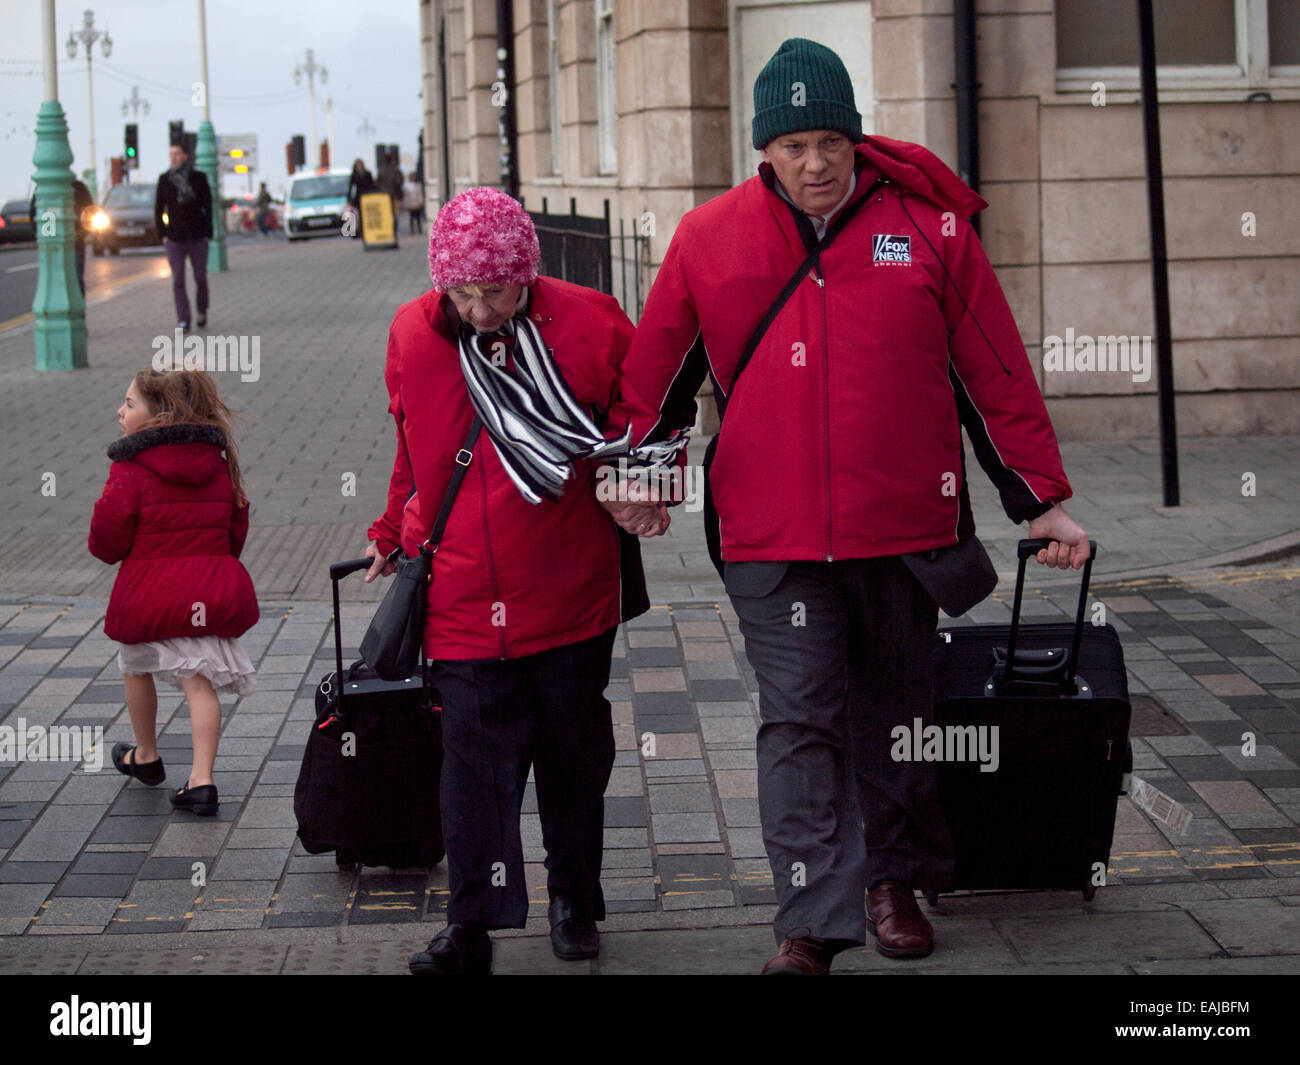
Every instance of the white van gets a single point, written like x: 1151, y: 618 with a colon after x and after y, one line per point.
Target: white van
x: 316, y: 204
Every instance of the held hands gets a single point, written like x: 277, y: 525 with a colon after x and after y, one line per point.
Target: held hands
x: 381, y: 567
x: 640, y: 519
x: 1070, y: 548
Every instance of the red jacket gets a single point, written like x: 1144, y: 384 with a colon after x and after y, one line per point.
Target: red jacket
x: 168, y: 514
x: 842, y: 439
x: 509, y: 578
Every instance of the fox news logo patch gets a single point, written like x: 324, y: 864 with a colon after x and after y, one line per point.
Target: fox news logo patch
x: 887, y: 248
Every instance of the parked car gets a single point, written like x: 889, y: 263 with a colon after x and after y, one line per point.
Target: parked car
x: 241, y: 214
x: 125, y: 218
x: 16, y: 224
x: 316, y: 204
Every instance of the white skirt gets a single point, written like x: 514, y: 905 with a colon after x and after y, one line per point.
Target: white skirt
x: 218, y: 658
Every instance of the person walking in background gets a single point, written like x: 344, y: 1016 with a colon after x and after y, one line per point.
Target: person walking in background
x: 361, y: 182
x: 174, y: 512
x: 82, y: 201
x: 182, y: 212
x: 263, y: 207
x: 413, y: 203
x: 390, y: 181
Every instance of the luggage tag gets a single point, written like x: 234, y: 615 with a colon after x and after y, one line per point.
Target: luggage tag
x: 1156, y: 804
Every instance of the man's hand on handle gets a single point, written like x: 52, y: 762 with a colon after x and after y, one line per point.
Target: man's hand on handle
x: 1070, y: 549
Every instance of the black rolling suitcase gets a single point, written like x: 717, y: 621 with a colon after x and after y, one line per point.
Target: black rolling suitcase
x: 368, y: 787
x: 1057, y: 695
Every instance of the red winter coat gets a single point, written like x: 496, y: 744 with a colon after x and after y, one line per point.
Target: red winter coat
x: 510, y: 578
x: 842, y: 439
x: 168, y: 514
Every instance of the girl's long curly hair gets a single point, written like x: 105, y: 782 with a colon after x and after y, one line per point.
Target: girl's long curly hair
x: 189, y: 397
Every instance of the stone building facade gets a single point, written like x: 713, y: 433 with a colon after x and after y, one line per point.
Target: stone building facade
x: 646, y: 104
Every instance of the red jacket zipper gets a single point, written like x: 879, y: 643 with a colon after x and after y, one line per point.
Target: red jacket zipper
x: 826, y: 410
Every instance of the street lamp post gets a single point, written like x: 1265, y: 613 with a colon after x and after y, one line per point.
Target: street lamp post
x: 329, y: 131
x: 310, y: 68
x: 88, y: 35
x: 135, y: 103
x: 205, y: 154
x: 59, y: 307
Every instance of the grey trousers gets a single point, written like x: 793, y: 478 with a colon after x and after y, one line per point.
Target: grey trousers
x: 842, y: 654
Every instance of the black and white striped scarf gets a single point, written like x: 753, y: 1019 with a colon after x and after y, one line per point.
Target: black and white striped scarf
x: 537, y: 424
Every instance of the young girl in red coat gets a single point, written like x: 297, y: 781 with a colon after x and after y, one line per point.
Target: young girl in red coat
x: 175, y: 513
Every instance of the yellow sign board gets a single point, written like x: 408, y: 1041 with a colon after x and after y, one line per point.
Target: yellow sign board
x: 378, y: 226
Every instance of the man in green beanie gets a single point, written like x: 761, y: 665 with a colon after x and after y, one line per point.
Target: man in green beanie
x: 838, y: 472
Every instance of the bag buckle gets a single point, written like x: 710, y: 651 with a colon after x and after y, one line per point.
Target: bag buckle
x: 467, y: 457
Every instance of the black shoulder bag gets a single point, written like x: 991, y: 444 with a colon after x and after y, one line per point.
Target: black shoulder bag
x: 392, y: 645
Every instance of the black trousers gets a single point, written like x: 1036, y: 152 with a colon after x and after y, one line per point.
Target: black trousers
x: 499, y: 717
x: 842, y: 655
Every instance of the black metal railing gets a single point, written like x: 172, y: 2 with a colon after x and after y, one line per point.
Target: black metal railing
x: 584, y: 251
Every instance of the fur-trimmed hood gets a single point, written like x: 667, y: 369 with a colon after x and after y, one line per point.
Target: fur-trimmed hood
x: 184, y: 454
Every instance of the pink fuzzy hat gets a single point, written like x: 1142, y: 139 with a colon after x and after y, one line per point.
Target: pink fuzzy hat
x: 481, y: 237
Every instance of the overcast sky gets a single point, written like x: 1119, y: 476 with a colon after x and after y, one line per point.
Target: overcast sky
x: 371, y: 53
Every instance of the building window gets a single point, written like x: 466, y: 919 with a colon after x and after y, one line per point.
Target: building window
x: 1211, y: 44
x: 553, y: 67
x: 606, y: 117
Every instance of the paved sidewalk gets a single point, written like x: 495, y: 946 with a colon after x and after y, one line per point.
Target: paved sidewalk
x: 126, y: 885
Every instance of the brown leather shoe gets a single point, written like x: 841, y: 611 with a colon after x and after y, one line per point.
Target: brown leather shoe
x: 802, y: 956
x: 896, y: 921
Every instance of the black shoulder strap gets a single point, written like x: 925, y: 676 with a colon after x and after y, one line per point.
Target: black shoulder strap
x: 845, y: 216
x: 463, y: 458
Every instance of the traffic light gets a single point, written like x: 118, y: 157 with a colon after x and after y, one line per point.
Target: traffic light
x: 131, y: 157
x: 176, y: 132
x: 299, y: 150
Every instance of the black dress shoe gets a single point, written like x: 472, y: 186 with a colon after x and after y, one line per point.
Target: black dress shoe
x: 573, y: 937
x: 458, y: 950
x: 202, y: 319
x: 151, y: 773
x: 201, y: 800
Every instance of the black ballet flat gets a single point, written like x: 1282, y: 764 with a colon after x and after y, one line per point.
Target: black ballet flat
x: 201, y: 800
x: 150, y: 773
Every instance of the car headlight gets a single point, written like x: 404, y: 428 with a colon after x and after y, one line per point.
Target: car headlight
x: 99, y: 220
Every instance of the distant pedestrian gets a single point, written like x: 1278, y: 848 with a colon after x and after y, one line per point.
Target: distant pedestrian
x: 361, y: 182
x: 263, y: 209
x: 182, y: 211
x: 413, y: 203
x: 390, y: 181
x: 82, y: 201
x: 175, y: 513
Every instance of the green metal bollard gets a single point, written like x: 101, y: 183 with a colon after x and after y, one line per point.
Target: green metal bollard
x: 59, y: 306
x: 205, y: 158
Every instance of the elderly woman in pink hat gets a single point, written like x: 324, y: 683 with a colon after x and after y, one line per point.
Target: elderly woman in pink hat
x: 510, y: 374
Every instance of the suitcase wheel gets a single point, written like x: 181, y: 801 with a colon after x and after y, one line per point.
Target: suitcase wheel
x: 1089, y: 890
x: 345, y: 859
x: 932, y: 898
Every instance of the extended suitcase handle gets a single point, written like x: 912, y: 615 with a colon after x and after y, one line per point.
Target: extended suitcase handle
x: 1025, y: 549
x: 339, y: 570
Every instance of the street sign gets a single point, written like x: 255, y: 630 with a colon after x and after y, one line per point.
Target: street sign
x: 237, y: 153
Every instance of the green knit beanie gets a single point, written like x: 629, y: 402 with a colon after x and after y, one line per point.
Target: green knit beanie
x: 804, y: 86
